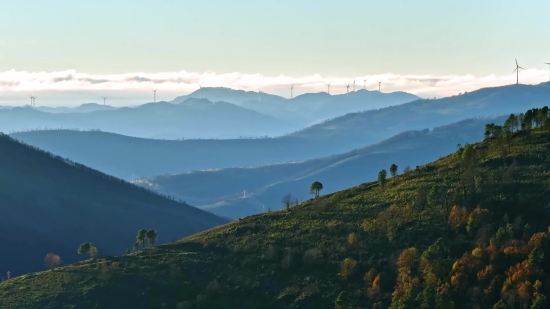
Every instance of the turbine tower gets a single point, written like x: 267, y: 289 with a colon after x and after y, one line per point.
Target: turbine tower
x: 32, y: 101
x: 200, y: 88
x: 364, y: 84
x: 517, y: 71
x: 104, y: 98
x: 155, y: 95
x: 548, y: 63
x: 291, y: 91
x: 328, y: 88
x: 379, y: 83
x: 347, y: 89
x: 259, y: 98
x: 354, y: 85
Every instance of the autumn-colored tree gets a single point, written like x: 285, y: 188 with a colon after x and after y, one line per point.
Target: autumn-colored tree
x: 458, y: 217
x: 52, y: 261
x: 477, y: 218
x: 369, y: 277
x: 408, y: 285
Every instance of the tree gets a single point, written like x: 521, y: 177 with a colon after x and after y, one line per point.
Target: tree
x: 287, y: 200
x: 142, y: 234
x: 393, y: 170
x: 52, y: 261
x: 315, y: 188
x: 92, y: 251
x: 347, y: 268
x: 151, y: 237
x: 84, y: 249
x: 382, y: 178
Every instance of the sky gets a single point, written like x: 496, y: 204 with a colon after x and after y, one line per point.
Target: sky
x: 70, y: 52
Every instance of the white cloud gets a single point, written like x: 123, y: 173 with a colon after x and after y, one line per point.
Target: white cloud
x: 72, y: 88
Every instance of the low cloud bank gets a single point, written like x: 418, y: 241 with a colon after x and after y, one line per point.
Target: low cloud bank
x: 72, y: 88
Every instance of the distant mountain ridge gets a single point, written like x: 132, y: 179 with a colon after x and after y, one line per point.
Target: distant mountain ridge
x: 83, y: 108
x: 123, y: 156
x: 51, y: 205
x: 304, y: 109
x: 195, y: 118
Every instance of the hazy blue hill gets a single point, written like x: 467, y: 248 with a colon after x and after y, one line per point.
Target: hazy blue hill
x: 50, y: 206
x: 122, y: 156
x: 220, y: 191
x: 83, y: 108
x: 303, y: 109
x: 229, y: 95
x: 487, y: 102
x: 192, y: 119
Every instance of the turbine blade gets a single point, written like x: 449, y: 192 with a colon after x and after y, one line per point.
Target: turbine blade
x: 521, y: 68
x: 514, y: 70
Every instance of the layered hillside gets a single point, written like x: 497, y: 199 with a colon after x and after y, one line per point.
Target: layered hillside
x: 123, y: 156
x: 51, y: 205
x: 221, y: 190
x: 467, y: 231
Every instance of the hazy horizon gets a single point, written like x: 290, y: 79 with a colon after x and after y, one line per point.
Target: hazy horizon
x: 71, y: 88
x: 68, y: 53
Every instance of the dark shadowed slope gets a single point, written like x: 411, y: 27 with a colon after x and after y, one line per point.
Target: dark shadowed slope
x: 49, y: 205
x: 221, y: 191
x: 122, y: 156
x: 307, y: 108
x: 192, y: 119
x: 397, y: 245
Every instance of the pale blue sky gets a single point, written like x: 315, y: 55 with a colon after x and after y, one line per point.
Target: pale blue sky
x: 294, y: 37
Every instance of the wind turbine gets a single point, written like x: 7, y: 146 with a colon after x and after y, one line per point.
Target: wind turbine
x: 291, y: 90
x: 32, y: 101
x: 347, y: 89
x: 200, y: 88
x: 104, y: 98
x: 517, y: 71
x: 548, y: 63
x: 328, y: 88
x: 364, y: 84
x: 379, y: 83
x: 155, y: 95
x: 354, y: 85
x: 259, y: 98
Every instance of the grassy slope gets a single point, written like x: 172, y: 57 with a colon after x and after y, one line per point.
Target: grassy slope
x: 231, y: 266
x: 47, y: 205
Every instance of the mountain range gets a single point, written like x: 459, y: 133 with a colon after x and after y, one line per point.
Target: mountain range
x: 195, y: 118
x: 123, y: 156
x: 305, y: 109
x: 240, y: 192
x: 52, y: 205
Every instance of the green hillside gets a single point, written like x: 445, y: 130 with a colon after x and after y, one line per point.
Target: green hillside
x: 467, y: 231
